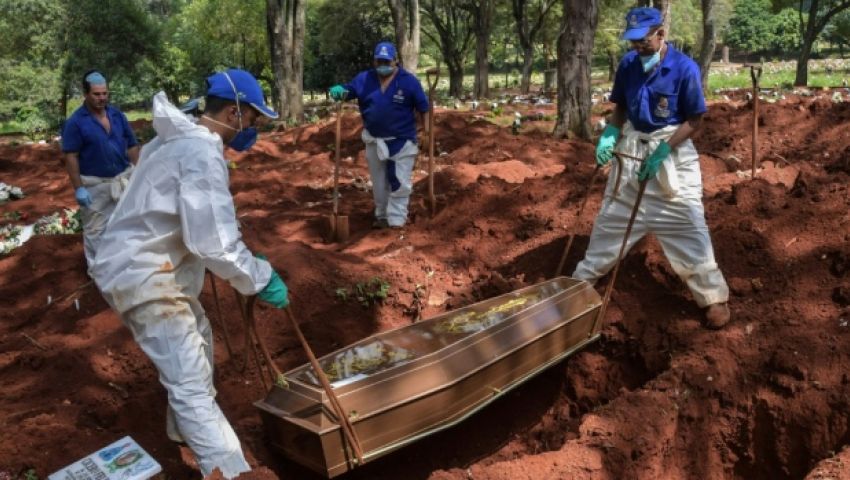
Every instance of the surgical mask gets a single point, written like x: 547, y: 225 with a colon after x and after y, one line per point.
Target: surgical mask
x: 385, y: 70
x: 650, y: 61
x: 244, y: 138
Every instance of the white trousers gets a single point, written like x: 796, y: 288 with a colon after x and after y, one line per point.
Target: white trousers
x: 677, y: 221
x: 177, y: 337
x: 394, y: 172
x: 105, y: 193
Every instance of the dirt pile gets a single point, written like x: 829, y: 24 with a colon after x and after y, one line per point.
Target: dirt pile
x: 658, y: 397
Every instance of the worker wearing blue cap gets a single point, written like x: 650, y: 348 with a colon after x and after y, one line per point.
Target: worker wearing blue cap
x: 388, y: 96
x: 100, y: 150
x: 658, y: 105
x: 175, y: 221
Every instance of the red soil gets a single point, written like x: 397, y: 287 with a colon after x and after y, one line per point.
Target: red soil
x: 659, y: 396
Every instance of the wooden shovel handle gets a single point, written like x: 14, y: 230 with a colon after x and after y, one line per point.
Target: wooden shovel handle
x: 347, y: 429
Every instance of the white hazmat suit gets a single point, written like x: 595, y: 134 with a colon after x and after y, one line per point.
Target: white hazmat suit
x: 175, y: 220
x: 671, y: 209
x: 385, y: 169
x: 105, y: 193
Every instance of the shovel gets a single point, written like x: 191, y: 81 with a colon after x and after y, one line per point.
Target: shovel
x: 606, y: 299
x: 578, y: 218
x: 755, y: 74
x: 338, y: 223
x: 432, y: 86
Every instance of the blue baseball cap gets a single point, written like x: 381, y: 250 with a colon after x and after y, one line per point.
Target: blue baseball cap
x: 233, y: 82
x: 639, y: 21
x: 385, y: 51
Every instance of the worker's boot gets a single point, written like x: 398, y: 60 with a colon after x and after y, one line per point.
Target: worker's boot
x: 380, y: 223
x: 717, y: 315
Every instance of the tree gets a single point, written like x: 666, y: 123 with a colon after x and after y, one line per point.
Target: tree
x: 528, y: 25
x: 608, y: 42
x: 575, y: 50
x: 750, y: 27
x: 814, y: 15
x: 451, y: 30
x: 192, y: 47
x: 285, y: 21
x: 407, y: 27
x: 332, y: 55
x: 482, y: 25
x: 709, y: 41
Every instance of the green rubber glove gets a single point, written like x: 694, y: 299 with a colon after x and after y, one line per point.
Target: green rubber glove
x: 605, y: 147
x: 275, y: 292
x: 649, y: 167
x: 338, y: 93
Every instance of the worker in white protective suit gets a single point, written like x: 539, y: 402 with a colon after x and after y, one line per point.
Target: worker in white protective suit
x: 388, y: 95
x: 100, y: 150
x: 659, y: 103
x: 175, y: 220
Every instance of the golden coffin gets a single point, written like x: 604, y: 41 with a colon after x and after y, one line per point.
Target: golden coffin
x: 404, y: 384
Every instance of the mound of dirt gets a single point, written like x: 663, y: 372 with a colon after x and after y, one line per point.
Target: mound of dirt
x: 659, y: 396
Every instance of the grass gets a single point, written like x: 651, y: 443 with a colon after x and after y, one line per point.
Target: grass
x: 10, y: 127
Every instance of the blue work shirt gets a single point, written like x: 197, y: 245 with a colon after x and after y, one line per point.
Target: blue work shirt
x: 101, y: 154
x: 668, y: 95
x: 389, y: 113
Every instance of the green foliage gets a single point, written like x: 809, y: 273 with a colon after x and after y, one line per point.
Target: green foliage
x: 750, y: 26
x: 332, y: 53
x: 365, y: 293
x: 755, y: 29
x: 35, y: 123
x: 785, y: 31
x: 30, y: 474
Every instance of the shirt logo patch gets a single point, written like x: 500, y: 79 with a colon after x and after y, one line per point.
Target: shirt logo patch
x: 399, y: 96
x: 662, y: 110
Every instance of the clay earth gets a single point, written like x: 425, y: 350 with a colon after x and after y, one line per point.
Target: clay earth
x: 659, y: 396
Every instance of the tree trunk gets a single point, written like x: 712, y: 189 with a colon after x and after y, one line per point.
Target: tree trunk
x: 664, y: 7
x: 708, y: 41
x: 452, y: 23
x: 575, y: 50
x: 407, y: 25
x: 527, y: 63
x: 612, y: 64
x: 285, y: 27
x: 455, y: 77
x: 483, y: 21
x: 802, y: 77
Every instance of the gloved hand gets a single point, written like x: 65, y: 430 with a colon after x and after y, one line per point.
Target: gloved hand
x: 605, y: 147
x: 275, y: 292
x: 649, y: 168
x: 83, y: 196
x: 338, y: 93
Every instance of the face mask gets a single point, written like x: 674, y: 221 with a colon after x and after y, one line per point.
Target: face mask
x: 243, y: 140
x: 245, y: 137
x: 650, y: 61
x: 385, y: 70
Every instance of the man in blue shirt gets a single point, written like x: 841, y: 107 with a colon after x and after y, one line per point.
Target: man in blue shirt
x: 659, y: 104
x: 100, y: 151
x: 387, y: 96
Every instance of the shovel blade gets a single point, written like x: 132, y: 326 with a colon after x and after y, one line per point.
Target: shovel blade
x: 338, y: 229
